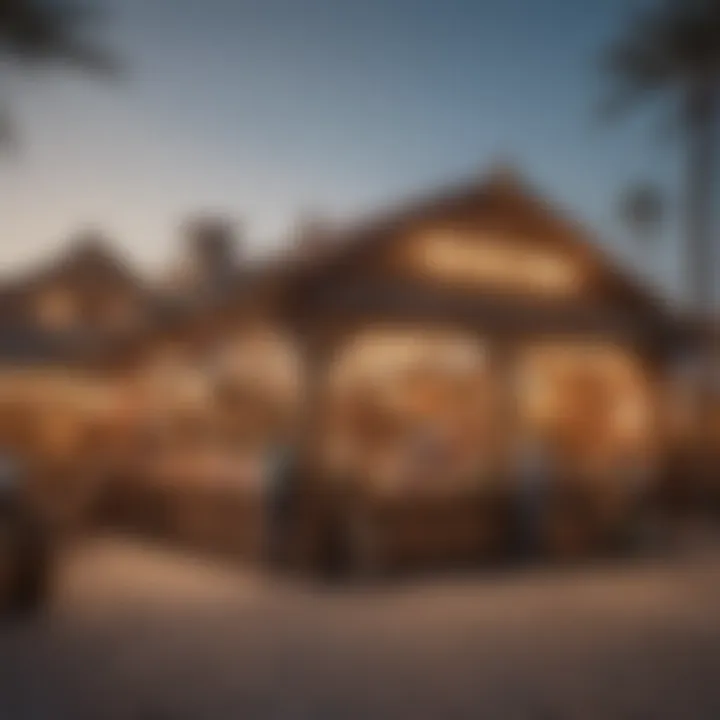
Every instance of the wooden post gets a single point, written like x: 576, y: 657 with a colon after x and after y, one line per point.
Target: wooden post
x: 311, y: 487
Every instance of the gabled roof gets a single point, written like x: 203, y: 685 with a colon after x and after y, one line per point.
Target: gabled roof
x: 504, y: 190
x: 89, y: 251
x: 23, y: 341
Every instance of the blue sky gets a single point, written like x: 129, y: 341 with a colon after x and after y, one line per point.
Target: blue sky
x: 264, y: 109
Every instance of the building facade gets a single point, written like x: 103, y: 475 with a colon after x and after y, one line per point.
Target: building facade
x: 418, y: 363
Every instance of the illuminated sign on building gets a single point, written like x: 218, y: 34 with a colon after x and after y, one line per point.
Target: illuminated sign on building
x: 463, y: 258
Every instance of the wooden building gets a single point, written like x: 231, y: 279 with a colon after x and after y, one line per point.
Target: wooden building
x: 56, y: 320
x: 417, y: 362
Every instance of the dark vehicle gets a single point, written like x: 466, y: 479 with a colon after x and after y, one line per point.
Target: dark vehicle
x: 25, y: 562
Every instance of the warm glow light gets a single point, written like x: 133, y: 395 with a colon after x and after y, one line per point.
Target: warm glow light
x: 385, y: 353
x: 264, y: 360
x: 594, y: 390
x: 467, y: 259
x: 394, y: 386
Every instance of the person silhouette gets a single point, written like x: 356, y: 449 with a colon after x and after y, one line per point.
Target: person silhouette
x: 533, y: 480
x: 279, y: 476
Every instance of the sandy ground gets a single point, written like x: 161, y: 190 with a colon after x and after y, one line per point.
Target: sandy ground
x: 141, y: 632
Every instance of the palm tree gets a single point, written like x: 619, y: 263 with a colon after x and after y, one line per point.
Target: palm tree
x: 35, y: 34
x: 670, y: 52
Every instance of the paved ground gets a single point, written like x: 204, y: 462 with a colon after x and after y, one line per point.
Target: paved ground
x: 137, y: 632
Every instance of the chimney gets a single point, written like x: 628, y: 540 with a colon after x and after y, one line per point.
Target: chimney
x: 212, y: 250
x: 313, y: 232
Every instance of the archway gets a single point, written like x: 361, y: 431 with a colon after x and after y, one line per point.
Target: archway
x: 588, y: 422
x: 592, y: 405
x: 410, y: 408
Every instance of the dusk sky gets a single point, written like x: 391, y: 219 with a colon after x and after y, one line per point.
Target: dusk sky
x: 262, y: 109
